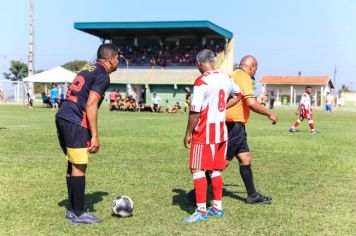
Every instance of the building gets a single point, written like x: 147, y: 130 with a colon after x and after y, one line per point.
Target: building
x: 287, y: 90
x: 347, y: 99
x: 159, y: 57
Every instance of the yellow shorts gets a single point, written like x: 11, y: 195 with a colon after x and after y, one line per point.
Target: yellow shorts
x: 77, y: 155
x: 74, y: 140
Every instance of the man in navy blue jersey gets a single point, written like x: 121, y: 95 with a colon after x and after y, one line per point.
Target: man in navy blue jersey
x: 77, y: 129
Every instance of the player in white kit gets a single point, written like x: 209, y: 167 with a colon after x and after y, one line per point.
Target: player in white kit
x: 206, y: 133
x: 304, y: 111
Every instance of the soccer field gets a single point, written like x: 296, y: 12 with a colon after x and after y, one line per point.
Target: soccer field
x: 312, y: 178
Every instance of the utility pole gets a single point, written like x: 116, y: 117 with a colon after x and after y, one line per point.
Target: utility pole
x: 335, y: 71
x: 3, y: 64
x: 31, y: 67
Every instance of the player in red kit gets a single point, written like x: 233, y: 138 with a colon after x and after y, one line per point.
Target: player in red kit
x: 304, y: 111
x: 206, y: 133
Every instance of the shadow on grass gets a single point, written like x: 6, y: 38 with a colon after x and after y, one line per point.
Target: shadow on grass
x: 183, y: 200
x: 186, y: 200
x: 227, y: 193
x: 90, y: 200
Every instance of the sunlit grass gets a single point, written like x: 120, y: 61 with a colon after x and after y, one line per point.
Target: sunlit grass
x: 312, y: 178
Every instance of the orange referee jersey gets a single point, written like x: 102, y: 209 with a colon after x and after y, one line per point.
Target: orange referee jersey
x: 241, y: 112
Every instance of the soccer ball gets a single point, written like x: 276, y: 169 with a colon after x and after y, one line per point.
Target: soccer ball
x: 122, y: 206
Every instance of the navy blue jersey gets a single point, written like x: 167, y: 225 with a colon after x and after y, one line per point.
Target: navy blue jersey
x: 94, y: 79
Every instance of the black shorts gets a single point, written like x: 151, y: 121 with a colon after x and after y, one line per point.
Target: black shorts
x: 237, y: 139
x: 74, y: 140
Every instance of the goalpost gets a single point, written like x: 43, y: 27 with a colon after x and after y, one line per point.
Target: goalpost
x: 12, y: 92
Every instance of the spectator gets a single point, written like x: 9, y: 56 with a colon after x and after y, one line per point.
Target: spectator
x: 113, y: 99
x: 173, y: 109
x: 54, y: 96
x: 271, y: 99
x: 31, y: 97
x: 140, y: 106
x: 46, y: 100
x: 188, y: 96
x: 156, y: 103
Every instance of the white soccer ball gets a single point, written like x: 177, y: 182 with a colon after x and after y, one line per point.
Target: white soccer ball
x: 122, y: 206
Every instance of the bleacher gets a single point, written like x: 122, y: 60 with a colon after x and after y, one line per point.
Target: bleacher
x: 160, y: 56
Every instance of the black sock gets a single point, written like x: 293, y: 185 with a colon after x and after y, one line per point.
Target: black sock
x: 78, y: 189
x: 69, y: 190
x: 208, y: 178
x: 246, y: 174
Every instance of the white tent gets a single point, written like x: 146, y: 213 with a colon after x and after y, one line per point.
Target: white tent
x: 55, y: 75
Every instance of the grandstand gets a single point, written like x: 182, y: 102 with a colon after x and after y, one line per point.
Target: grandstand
x: 160, y: 56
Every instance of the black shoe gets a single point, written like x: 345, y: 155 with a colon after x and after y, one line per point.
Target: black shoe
x: 259, y: 199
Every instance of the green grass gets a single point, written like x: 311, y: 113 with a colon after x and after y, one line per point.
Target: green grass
x: 312, y: 178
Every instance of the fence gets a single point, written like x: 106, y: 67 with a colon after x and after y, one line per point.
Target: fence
x: 13, y: 92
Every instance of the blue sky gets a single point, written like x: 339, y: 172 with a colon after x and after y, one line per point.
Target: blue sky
x: 285, y: 36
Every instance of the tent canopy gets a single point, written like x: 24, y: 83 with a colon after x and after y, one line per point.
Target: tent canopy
x: 54, y: 75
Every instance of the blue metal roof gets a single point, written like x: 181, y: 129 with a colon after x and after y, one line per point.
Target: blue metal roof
x: 109, y: 30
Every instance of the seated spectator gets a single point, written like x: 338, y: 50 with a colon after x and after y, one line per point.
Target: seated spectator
x: 141, y: 106
x: 131, y: 104
x: 173, y: 109
x: 46, y: 100
x: 156, y: 103
x: 121, y: 103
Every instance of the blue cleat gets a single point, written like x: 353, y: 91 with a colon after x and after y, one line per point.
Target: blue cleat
x: 69, y: 214
x: 196, y: 217
x: 85, y: 218
x: 213, y: 212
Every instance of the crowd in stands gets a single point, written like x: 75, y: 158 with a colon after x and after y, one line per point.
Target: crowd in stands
x: 175, y: 55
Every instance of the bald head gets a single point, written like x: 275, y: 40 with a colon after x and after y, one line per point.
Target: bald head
x: 249, y: 65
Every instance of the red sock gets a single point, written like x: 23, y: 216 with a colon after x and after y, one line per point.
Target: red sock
x: 296, y: 123
x: 200, y: 185
x: 217, y: 184
x: 311, y: 124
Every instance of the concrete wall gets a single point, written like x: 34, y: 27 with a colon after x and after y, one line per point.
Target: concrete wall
x: 348, y: 99
x: 168, y: 93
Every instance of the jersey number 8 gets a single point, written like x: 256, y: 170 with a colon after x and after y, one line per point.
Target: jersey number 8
x: 221, y: 103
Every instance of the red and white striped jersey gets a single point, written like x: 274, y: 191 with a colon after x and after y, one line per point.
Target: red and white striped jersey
x: 210, y: 94
x: 305, y: 101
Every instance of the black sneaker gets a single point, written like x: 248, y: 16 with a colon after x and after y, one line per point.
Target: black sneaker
x: 259, y: 199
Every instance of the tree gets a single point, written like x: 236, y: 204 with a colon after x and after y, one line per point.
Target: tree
x: 18, y: 71
x: 75, y: 66
x: 344, y: 88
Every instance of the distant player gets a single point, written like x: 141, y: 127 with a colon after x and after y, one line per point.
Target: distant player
x: 77, y: 128
x: 328, y: 103
x: 304, y: 111
x: 206, y: 133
